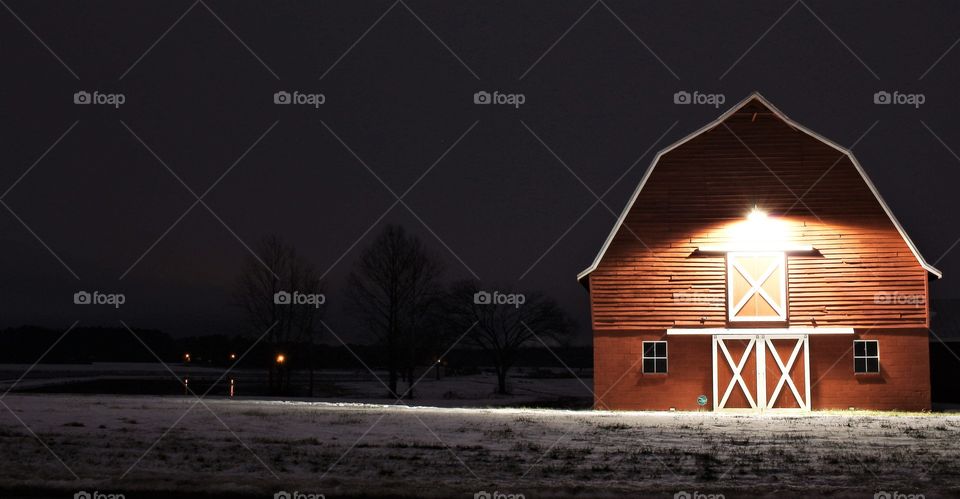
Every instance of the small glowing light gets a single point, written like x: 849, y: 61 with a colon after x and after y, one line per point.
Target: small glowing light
x: 758, y: 231
x: 186, y: 357
x: 756, y: 215
x: 233, y: 356
x: 281, y: 358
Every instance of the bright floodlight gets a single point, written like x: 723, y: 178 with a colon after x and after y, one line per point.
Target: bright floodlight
x: 756, y: 215
x: 758, y: 231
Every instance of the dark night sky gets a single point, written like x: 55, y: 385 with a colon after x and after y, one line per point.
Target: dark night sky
x: 498, y: 200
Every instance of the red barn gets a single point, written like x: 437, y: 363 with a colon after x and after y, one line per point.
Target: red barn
x: 756, y: 267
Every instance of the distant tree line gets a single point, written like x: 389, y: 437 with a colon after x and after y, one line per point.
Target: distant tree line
x: 411, y: 317
x: 25, y: 344
x: 396, y: 292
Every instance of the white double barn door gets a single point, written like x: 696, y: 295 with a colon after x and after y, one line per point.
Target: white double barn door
x: 761, y: 372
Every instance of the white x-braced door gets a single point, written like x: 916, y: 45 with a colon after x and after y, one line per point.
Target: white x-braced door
x: 756, y: 286
x: 761, y: 372
x: 790, y: 370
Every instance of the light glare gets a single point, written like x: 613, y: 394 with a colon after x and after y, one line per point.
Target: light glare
x: 758, y: 232
x: 756, y: 215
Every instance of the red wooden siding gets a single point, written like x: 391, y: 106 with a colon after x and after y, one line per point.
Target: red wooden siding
x: 864, y: 276
x: 902, y: 384
x: 619, y: 381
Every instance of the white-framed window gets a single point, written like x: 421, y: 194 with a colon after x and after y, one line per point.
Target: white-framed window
x: 866, y: 356
x: 757, y: 286
x: 655, y: 357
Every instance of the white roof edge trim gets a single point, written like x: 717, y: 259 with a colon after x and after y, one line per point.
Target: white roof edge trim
x: 756, y: 95
x: 765, y: 331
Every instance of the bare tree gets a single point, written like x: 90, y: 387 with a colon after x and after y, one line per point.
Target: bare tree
x: 394, y: 291
x: 502, y: 329
x: 264, y: 292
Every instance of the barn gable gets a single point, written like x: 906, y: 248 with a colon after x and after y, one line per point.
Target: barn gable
x: 657, y: 268
x: 753, y: 108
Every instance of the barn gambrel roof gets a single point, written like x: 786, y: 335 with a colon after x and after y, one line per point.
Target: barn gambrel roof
x: 756, y: 96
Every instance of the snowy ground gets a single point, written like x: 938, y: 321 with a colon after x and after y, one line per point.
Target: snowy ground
x: 255, y: 448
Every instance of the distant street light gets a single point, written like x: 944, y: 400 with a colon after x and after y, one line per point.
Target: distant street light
x: 186, y: 357
x: 281, y: 371
x: 233, y: 356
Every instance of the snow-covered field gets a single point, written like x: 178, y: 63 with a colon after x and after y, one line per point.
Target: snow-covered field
x: 256, y: 448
